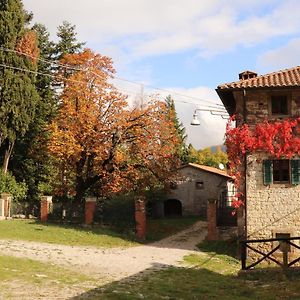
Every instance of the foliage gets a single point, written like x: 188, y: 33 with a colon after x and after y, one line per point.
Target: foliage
x: 180, y: 130
x: 119, y: 212
x: 8, y: 184
x: 67, y: 40
x: 30, y: 230
x: 31, y: 161
x: 207, y: 157
x: 277, y: 138
x: 101, y: 146
x: 18, y: 94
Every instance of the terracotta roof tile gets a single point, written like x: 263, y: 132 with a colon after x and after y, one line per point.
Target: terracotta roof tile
x: 282, y: 78
x: 208, y: 169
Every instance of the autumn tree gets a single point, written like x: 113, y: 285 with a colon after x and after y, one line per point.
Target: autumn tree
x: 18, y: 95
x: 100, y: 144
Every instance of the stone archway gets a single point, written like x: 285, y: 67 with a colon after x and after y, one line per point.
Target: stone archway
x: 172, y: 207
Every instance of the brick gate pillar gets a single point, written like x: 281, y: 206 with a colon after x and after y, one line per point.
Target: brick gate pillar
x: 212, y: 230
x: 140, y: 218
x: 90, y: 208
x: 46, y: 204
x: 6, y: 204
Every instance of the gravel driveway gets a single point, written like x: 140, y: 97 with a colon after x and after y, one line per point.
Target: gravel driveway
x: 115, y: 263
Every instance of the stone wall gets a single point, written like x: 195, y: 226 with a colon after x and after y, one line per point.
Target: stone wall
x: 192, y: 197
x: 270, y: 209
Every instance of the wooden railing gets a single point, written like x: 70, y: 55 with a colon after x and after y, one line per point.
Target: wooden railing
x: 282, y: 245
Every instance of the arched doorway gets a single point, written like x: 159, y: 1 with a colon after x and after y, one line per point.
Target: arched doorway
x: 172, y: 207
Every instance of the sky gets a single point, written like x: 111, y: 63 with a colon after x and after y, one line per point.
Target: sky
x: 185, y: 48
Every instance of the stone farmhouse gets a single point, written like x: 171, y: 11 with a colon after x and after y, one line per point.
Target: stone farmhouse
x: 195, y: 186
x: 271, y: 185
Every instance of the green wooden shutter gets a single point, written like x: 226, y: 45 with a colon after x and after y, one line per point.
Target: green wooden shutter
x: 268, y: 172
x: 295, y: 171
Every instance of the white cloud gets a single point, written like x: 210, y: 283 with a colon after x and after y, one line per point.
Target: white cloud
x: 142, y: 27
x: 283, y: 57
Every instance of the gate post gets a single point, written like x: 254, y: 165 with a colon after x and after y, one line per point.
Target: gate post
x: 212, y: 230
x: 90, y: 207
x: 140, y: 218
x: 46, y: 203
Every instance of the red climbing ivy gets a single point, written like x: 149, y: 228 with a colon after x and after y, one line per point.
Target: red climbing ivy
x: 278, y: 138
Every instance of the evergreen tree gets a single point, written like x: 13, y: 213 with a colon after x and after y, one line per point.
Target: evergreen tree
x: 31, y: 161
x: 182, y: 148
x: 18, y: 95
x: 67, y: 43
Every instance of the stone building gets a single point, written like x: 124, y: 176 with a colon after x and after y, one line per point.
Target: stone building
x: 196, y: 184
x: 271, y: 185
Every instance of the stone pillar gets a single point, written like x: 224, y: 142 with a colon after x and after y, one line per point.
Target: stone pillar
x: 140, y: 218
x: 90, y: 207
x: 46, y: 205
x: 6, y: 204
x: 212, y: 230
x: 2, y: 215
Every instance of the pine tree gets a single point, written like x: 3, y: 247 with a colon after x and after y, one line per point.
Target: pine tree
x: 182, y: 148
x: 67, y: 43
x: 18, y: 95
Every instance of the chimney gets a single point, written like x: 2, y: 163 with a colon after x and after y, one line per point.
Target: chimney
x: 247, y: 75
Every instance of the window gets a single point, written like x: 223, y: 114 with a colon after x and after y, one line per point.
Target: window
x: 281, y: 171
x: 279, y: 105
x: 199, y: 185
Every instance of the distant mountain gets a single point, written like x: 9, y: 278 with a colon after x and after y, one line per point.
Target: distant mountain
x: 215, y: 148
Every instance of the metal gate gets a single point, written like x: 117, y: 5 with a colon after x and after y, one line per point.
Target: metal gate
x: 225, y: 212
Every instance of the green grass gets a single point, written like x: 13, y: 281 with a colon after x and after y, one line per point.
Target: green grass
x: 158, y: 229
x: 21, y: 277
x: 31, y: 271
x: 210, y: 275
x: 31, y: 230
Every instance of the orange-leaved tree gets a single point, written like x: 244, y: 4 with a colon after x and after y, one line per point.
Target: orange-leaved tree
x: 101, y: 144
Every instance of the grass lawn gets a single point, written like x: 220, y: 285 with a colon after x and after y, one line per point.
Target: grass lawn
x: 31, y: 230
x: 210, y: 275
x: 24, y: 278
x: 158, y: 229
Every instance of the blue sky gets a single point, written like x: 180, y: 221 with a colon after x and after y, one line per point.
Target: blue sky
x: 187, y: 47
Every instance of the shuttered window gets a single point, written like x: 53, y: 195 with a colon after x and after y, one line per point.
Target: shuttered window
x: 281, y: 171
x: 267, y: 172
x: 295, y: 172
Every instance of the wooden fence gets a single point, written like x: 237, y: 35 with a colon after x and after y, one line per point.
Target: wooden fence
x: 285, y: 247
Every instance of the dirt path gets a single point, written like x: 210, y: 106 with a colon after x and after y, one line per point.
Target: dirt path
x: 112, y: 264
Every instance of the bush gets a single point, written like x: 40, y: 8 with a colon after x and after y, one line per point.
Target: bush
x: 117, y: 211
x: 8, y: 184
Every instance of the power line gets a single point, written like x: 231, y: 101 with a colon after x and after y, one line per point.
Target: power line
x: 57, y: 63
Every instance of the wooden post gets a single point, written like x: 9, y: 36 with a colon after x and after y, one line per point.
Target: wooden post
x: 243, y: 254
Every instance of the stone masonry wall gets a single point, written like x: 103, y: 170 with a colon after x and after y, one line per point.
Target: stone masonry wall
x: 193, y: 200
x: 270, y: 209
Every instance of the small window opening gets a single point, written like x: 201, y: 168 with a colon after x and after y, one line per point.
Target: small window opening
x: 173, y: 185
x: 279, y: 105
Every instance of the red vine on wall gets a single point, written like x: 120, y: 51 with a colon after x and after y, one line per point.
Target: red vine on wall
x: 280, y: 139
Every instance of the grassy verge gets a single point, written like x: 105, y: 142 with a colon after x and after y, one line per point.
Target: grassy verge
x: 30, y: 230
x: 158, y: 229
x: 23, y: 278
x: 210, y: 275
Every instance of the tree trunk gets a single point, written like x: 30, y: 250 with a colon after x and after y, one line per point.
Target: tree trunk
x: 7, y: 154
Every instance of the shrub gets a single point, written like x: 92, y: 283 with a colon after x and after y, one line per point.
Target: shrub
x: 8, y: 184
